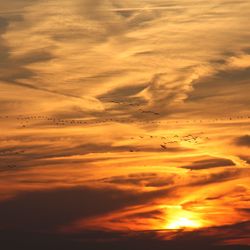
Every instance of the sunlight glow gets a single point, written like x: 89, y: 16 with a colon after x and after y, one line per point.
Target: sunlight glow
x: 178, y: 218
x: 183, y: 223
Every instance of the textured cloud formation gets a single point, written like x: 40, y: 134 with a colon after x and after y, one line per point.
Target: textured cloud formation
x: 125, y: 123
x: 76, y: 51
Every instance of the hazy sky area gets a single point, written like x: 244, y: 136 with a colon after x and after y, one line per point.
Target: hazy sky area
x: 124, y: 124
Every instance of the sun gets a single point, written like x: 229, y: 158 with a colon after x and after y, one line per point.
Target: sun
x: 182, y: 223
x: 179, y: 218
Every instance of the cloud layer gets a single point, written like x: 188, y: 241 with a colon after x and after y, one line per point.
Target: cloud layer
x: 125, y: 116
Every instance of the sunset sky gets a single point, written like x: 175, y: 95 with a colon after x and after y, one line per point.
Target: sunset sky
x: 124, y: 123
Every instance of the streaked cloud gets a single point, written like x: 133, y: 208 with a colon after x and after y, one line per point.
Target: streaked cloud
x: 127, y: 116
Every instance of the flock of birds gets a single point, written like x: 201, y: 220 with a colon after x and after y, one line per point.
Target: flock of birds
x: 25, y: 121
x: 9, y: 154
x: 164, y: 142
x: 173, y: 139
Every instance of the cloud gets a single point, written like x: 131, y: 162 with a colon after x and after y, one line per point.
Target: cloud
x: 122, y: 68
x: 244, y: 210
x: 221, y: 176
x: 212, y: 238
x: 223, y: 87
x: 243, y: 141
x: 43, y: 153
x: 209, y: 163
x: 122, y: 94
x: 245, y: 158
x: 142, y: 179
x: 103, y: 47
x: 50, y: 209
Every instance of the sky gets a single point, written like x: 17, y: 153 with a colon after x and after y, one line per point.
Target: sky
x: 124, y: 123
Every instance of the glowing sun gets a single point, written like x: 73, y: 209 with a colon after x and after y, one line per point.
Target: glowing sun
x: 183, y: 223
x: 178, y: 218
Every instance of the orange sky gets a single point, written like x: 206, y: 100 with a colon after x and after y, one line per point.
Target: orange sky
x: 125, y: 116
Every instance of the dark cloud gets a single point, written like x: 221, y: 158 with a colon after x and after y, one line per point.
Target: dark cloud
x: 243, y: 141
x: 222, y: 176
x: 244, y: 210
x: 208, y: 239
x: 123, y: 93
x: 153, y: 214
x: 14, y: 69
x: 142, y: 179
x: 209, y: 163
x: 35, y: 56
x: 3, y: 25
x: 3, y: 51
x: 245, y: 158
x: 48, y: 210
x: 125, y: 100
x: 224, y: 88
x: 45, y: 153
